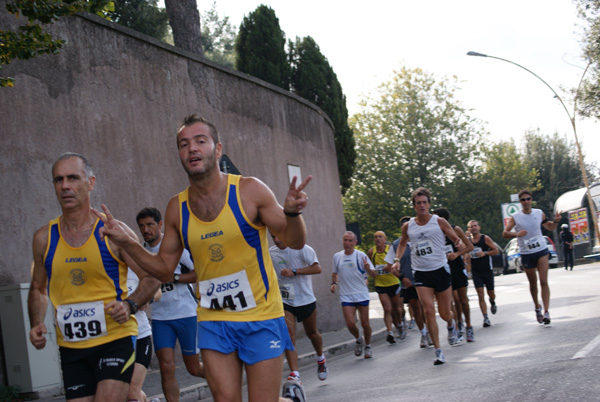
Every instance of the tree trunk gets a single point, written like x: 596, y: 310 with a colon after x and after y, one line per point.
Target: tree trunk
x: 185, y: 22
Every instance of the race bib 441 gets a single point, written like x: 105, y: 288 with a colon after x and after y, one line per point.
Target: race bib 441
x: 230, y: 292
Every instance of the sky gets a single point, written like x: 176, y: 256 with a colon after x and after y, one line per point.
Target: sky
x: 365, y: 42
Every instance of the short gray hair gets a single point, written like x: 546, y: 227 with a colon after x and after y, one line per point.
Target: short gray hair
x: 87, y: 167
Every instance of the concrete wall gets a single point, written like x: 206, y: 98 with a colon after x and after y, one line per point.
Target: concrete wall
x: 117, y: 97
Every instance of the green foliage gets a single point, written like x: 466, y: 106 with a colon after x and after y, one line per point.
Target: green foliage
x: 589, y: 11
x: 218, y: 38
x: 260, y: 48
x: 314, y: 79
x: 557, y: 162
x: 142, y: 15
x: 478, y: 195
x: 413, y: 134
x: 11, y: 394
x: 30, y: 39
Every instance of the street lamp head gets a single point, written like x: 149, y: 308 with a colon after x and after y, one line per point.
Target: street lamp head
x: 476, y: 54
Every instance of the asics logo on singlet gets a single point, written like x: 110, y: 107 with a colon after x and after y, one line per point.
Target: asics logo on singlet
x: 212, y: 234
x: 221, y: 287
x: 83, y: 312
x: 76, y: 259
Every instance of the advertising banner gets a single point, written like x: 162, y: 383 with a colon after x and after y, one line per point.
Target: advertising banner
x: 579, y: 226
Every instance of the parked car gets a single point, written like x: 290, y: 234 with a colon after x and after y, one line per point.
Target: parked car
x: 513, y: 256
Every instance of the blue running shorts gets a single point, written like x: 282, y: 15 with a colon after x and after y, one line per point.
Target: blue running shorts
x: 165, y: 333
x: 254, y: 341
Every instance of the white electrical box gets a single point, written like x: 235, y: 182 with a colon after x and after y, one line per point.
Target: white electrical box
x: 31, y: 369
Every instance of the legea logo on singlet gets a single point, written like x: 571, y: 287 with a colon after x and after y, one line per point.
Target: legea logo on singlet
x: 211, y: 234
x: 76, y: 259
x: 78, y: 276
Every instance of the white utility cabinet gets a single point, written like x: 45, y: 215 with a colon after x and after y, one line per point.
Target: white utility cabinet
x: 31, y: 369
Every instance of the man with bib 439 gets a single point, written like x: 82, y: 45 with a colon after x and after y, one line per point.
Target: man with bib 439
x: 222, y: 220
x: 534, y: 251
x: 85, y: 277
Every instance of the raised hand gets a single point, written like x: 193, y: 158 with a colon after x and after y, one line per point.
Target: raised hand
x: 296, y: 199
x: 112, y: 227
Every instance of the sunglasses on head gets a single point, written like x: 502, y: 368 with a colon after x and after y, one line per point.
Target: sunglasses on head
x: 526, y: 199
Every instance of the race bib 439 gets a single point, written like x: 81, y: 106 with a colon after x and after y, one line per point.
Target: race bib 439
x: 81, y: 321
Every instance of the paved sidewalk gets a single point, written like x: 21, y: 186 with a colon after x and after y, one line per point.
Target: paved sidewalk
x: 195, y: 389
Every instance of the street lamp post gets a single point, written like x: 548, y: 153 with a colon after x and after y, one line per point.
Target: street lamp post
x: 572, y: 120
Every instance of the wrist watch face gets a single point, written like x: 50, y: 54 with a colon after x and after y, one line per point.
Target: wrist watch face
x: 176, y: 277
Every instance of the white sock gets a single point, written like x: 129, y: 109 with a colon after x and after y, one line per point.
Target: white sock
x: 321, y: 358
x: 296, y: 373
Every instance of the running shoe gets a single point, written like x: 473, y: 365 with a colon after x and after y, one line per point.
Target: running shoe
x: 358, y: 347
x: 429, y: 340
x: 390, y: 337
x: 322, y: 370
x: 546, y: 318
x: 461, y: 328
x: 423, y: 341
x: 412, y: 324
x: 402, y: 331
x: 293, y: 390
x: 154, y: 400
x: 439, y: 357
x: 452, y: 338
x: 292, y: 376
x: 539, y: 315
x: 486, y: 322
x: 494, y: 308
x: 470, y: 334
x: 368, y: 352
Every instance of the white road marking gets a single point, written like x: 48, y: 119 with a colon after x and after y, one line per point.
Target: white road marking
x: 587, y: 348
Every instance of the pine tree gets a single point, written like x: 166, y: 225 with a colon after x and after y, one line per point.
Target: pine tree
x: 260, y: 48
x: 314, y: 79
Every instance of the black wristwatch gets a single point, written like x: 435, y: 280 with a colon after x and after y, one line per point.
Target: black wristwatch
x: 294, y: 271
x: 133, y: 307
x: 176, y: 278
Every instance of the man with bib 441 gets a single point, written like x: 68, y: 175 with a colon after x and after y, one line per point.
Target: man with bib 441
x: 222, y: 220
x: 85, y: 277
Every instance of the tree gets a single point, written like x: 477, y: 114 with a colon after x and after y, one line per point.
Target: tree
x: 260, y: 48
x: 479, y: 194
x: 414, y: 134
x: 142, y: 15
x: 185, y: 23
x: 31, y: 40
x: 218, y: 38
x: 314, y: 79
x: 589, y: 11
x: 557, y: 162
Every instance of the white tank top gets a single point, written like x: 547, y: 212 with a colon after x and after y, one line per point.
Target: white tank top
x: 177, y: 300
x: 144, y: 329
x: 428, y: 251
x: 533, y: 241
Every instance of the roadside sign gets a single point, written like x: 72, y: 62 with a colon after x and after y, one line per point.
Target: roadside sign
x: 508, y: 210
